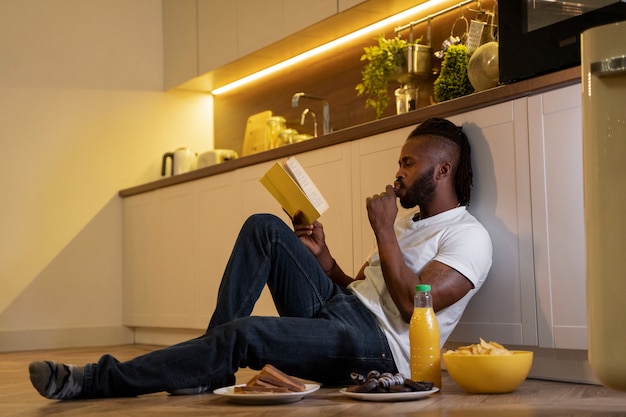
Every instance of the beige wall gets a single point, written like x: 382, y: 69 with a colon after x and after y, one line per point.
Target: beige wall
x: 82, y: 115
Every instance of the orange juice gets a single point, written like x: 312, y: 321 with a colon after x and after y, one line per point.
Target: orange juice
x: 424, y: 340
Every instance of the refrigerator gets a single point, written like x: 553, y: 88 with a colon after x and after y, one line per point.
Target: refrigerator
x: 603, y: 68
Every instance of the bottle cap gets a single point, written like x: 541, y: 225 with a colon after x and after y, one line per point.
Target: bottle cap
x: 422, y: 287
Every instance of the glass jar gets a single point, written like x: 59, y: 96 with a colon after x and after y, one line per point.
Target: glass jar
x: 406, y: 98
x: 286, y: 136
x: 275, y: 125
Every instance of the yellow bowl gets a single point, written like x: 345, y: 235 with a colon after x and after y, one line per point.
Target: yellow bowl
x: 489, y: 374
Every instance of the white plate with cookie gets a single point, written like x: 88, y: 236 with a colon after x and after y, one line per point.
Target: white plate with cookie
x: 265, y: 398
x: 388, y: 396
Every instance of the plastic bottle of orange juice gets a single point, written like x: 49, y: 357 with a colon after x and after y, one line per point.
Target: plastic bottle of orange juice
x: 424, y: 339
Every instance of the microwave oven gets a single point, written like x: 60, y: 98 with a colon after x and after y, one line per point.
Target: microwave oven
x: 541, y: 36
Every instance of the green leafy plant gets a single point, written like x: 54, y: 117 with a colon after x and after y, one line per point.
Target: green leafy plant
x: 453, y: 81
x: 383, y: 62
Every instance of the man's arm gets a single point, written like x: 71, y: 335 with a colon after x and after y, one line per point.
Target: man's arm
x: 313, y: 237
x: 447, y: 285
x: 337, y: 275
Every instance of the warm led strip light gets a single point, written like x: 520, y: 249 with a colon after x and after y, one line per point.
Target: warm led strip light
x: 323, y: 48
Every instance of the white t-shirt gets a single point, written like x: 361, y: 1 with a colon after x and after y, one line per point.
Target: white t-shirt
x: 454, y: 238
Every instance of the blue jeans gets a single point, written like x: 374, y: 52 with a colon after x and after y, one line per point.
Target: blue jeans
x: 323, y: 333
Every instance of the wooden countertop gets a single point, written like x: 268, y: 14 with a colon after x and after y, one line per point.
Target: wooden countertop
x: 446, y: 109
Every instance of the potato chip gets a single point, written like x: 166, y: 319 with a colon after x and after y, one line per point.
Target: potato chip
x: 482, y: 348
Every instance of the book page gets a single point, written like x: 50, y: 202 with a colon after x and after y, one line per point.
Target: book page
x: 298, y: 173
x: 288, y: 184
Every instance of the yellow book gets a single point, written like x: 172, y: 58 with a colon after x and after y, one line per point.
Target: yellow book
x: 292, y: 187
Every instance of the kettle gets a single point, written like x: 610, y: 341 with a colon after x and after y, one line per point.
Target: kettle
x: 183, y: 160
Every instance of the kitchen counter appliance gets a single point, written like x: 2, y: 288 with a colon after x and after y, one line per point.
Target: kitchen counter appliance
x: 541, y: 36
x: 604, y: 153
x: 215, y: 156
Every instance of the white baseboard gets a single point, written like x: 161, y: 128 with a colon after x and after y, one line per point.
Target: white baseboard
x: 567, y: 365
x: 37, y: 339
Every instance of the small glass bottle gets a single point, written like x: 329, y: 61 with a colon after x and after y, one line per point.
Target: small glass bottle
x: 406, y: 98
x: 275, y: 125
x: 424, y: 339
x: 401, y: 100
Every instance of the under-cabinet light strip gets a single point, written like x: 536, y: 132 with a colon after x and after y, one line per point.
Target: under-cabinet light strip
x: 323, y: 48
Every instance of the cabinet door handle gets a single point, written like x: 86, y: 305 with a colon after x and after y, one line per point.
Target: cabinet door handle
x: 609, y: 67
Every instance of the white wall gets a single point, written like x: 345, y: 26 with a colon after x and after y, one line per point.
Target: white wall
x: 82, y: 115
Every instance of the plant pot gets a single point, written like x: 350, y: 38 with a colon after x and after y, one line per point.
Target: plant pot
x: 414, y: 64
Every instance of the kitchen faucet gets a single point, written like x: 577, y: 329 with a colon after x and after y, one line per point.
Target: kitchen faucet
x: 303, y: 117
x: 326, y: 108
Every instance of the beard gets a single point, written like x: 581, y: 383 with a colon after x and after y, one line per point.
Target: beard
x: 420, y: 192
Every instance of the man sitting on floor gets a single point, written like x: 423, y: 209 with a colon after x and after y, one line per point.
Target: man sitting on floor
x: 330, y: 324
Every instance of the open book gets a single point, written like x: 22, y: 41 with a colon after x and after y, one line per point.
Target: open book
x: 292, y: 187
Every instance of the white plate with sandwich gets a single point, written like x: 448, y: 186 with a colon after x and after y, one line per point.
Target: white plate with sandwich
x: 265, y: 397
x: 269, y: 386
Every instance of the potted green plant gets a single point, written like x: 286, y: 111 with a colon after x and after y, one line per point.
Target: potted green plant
x: 453, y: 81
x: 384, y: 59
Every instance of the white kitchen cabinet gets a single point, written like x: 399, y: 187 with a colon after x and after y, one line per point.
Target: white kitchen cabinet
x: 346, y: 4
x: 141, y: 242
x: 176, y: 244
x: 159, y: 258
x: 527, y: 158
x: 256, y: 24
x: 555, y: 131
x: 180, y: 41
x: 300, y: 14
x: 218, y: 34
x: 200, y: 36
x: 259, y: 23
x: 217, y: 219
x: 505, y: 307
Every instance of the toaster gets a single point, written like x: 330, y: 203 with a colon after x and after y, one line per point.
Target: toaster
x: 215, y: 156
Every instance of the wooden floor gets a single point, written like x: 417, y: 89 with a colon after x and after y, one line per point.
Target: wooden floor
x: 533, y: 398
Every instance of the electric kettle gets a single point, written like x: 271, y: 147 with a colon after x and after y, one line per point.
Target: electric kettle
x: 183, y: 160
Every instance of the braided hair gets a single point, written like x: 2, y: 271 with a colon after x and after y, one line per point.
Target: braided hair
x: 442, y: 128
